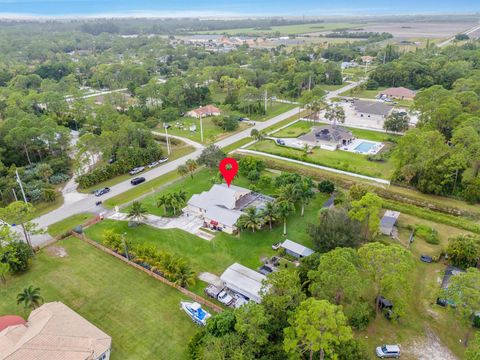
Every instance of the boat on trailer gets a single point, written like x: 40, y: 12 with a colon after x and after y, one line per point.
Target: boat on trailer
x: 195, y: 311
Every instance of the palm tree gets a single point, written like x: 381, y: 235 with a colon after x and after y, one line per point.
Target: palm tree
x: 250, y: 220
x: 191, y: 166
x: 162, y: 201
x: 30, y: 297
x: 289, y: 193
x: 183, y: 274
x: 334, y: 114
x: 137, y: 212
x: 270, y: 213
x: 182, y: 170
x: 284, y: 208
x: 304, y: 189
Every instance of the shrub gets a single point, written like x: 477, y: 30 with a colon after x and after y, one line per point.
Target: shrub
x: 253, y: 175
x: 58, y: 179
x: 18, y: 256
x: 326, y: 186
x: 359, y: 315
x: 429, y: 234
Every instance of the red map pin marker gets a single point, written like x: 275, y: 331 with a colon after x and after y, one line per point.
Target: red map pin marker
x: 228, y: 168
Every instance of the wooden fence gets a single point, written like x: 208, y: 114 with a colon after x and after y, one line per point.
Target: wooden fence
x: 188, y: 293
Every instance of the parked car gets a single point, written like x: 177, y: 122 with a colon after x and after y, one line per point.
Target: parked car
x: 153, y: 164
x: 212, y: 291
x: 224, y: 297
x: 137, y: 180
x: 442, y: 302
x: 100, y: 192
x: 276, y: 246
x: 426, y: 258
x: 388, y: 351
x: 137, y: 170
x: 265, y: 270
x: 163, y: 160
x: 280, y: 142
x: 239, y: 301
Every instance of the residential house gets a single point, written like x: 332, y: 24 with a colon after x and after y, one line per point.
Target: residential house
x: 373, y: 112
x: 387, y: 224
x: 328, y: 137
x: 397, y: 93
x: 295, y: 249
x: 204, y: 111
x: 53, y: 332
x: 244, y: 281
x: 222, y: 205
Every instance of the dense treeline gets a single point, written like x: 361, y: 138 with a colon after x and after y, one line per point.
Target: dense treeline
x: 441, y: 156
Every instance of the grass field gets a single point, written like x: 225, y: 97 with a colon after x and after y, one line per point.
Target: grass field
x: 141, y: 314
x: 288, y: 29
x: 68, y: 224
x: 342, y: 160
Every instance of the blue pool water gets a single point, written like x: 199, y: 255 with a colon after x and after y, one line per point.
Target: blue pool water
x: 364, y: 147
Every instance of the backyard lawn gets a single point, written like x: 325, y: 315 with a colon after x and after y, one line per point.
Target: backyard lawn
x: 141, y: 314
x: 342, y: 160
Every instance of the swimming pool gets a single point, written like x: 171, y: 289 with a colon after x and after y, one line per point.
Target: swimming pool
x: 364, y: 147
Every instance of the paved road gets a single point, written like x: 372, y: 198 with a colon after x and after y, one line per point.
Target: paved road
x: 88, y: 204
x: 468, y: 32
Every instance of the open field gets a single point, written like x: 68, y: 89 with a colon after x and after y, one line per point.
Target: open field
x: 341, y: 160
x: 69, y: 223
x: 289, y: 29
x: 141, y: 314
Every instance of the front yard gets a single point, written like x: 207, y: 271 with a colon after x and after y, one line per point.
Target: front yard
x: 141, y: 314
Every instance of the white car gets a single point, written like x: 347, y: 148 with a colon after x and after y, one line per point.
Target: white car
x: 136, y: 170
x: 153, y: 164
x: 224, y: 298
x: 163, y: 160
x: 388, y: 351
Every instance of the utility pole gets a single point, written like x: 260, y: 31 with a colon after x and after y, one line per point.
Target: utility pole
x: 310, y: 82
x: 165, y: 125
x: 125, y: 246
x: 201, y: 128
x: 21, y: 186
x: 14, y: 194
x: 265, y: 98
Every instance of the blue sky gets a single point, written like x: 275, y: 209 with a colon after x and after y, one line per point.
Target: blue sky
x: 235, y: 7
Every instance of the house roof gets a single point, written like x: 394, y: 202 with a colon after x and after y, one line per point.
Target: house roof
x: 296, y: 248
x: 53, y: 332
x: 244, y: 280
x: 327, y: 133
x: 205, y: 110
x: 398, y: 92
x: 388, y: 221
x: 10, y: 320
x: 372, y: 107
x: 220, y: 202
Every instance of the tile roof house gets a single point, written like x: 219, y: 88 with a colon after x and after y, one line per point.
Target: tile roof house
x: 221, y: 206
x: 397, y: 93
x: 54, y: 332
x: 204, y: 111
x: 245, y: 281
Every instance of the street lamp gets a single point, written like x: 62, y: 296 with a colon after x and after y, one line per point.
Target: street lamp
x: 165, y: 126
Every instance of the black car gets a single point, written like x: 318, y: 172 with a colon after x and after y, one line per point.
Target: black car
x: 100, y: 192
x: 137, y: 180
x: 426, y: 258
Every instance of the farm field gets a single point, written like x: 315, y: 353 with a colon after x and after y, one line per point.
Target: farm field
x: 289, y: 29
x: 120, y: 300
x: 341, y: 160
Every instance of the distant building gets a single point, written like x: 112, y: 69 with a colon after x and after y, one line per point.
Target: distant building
x: 221, y: 206
x: 375, y: 111
x: 295, y: 249
x: 205, y: 39
x: 244, y: 281
x: 348, y: 64
x: 53, y: 332
x: 328, y: 137
x: 204, y: 111
x: 367, y: 59
x: 397, y: 93
x: 388, y: 222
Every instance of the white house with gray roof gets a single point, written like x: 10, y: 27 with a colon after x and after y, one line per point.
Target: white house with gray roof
x: 295, y: 249
x: 221, y: 206
x: 372, y: 113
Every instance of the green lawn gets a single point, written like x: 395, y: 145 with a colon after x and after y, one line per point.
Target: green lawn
x: 141, y: 314
x: 211, y: 132
x: 68, y: 224
x: 338, y: 159
x: 274, y: 110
